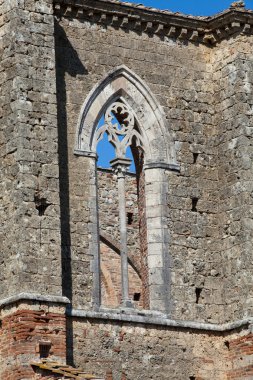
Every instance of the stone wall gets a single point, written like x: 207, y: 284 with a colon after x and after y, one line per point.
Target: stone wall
x: 233, y: 81
x: 188, y: 82
x: 8, y: 167
x: 186, y: 91
x: 29, y: 159
x: 192, y: 198
x: 180, y: 77
x: 49, y: 64
x: 149, y: 352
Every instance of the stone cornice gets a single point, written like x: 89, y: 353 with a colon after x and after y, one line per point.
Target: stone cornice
x: 17, y: 298
x: 158, y: 319
x: 206, y: 30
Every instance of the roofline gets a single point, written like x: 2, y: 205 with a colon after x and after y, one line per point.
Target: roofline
x: 207, y: 30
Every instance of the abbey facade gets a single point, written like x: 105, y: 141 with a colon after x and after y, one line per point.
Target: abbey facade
x: 114, y: 274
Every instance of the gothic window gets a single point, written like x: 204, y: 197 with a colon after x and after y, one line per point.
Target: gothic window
x: 123, y: 108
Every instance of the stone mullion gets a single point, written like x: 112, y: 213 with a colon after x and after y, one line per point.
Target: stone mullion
x: 95, y: 243
x: 123, y: 238
x: 120, y: 166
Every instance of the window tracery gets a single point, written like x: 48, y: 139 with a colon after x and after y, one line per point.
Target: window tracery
x: 121, y: 129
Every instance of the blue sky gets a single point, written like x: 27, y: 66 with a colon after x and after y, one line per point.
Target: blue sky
x: 194, y: 7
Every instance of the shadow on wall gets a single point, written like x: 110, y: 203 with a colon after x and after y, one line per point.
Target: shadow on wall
x: 67, y: 61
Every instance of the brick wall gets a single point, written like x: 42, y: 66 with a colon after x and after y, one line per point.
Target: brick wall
x: 140, y: 176
x: 21, y: 333
x: 240, y: 354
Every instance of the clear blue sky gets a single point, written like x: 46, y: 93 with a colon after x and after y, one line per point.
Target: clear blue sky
x: 194, y: 7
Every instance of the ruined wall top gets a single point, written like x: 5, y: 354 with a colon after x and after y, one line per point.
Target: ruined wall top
x: 206, y: 30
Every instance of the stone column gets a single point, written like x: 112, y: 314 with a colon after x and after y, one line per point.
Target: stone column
x: 120, y: 166
x: 156, y: 190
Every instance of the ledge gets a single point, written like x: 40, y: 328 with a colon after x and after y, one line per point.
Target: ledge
x: 162, y: 165
x: 206, y: 30
x: 33, y: 297
x: 84, y: 153
x: 111, y: 171
x: 158, y: 319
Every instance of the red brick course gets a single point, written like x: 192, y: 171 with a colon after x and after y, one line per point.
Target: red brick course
x: 241, y: 356
x: 20, y: 335
x: 140, y: 174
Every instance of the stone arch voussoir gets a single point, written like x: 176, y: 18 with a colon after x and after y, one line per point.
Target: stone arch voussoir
x: 123, y: 84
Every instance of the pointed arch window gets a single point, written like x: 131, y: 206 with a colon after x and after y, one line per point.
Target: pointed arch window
x: 132, y: 118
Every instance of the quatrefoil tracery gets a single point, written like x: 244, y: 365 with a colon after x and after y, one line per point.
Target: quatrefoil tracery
x: 120, y: 127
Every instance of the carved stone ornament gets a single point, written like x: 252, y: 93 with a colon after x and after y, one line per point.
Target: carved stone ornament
x: 120, y: 128
x: 120, y: 166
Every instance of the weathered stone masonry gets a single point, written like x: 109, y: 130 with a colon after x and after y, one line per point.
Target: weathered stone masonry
x: 188, y: 82
x: 30, y: 163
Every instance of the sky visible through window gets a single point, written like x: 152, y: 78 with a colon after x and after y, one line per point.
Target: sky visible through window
x: 106, y: 151
x: 194, y: 7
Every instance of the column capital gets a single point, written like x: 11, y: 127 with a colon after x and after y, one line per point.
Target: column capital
x: 120, y: 166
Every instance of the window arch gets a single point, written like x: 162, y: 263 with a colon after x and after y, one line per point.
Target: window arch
x: 143, y: 126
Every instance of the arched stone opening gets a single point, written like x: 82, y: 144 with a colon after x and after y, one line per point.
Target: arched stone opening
x: 123, y: 93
